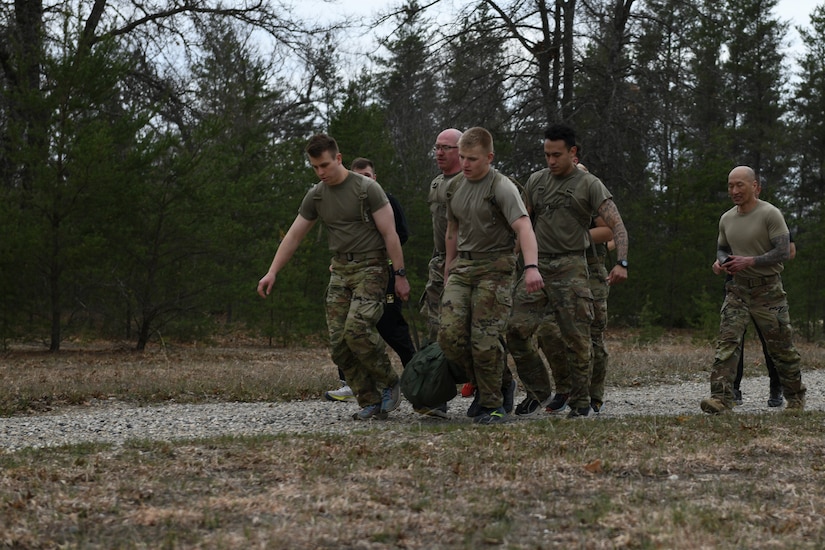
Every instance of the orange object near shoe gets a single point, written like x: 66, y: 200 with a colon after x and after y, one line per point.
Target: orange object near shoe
x: 468, y: 389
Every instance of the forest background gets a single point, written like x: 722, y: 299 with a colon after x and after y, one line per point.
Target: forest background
x: 151, y: 151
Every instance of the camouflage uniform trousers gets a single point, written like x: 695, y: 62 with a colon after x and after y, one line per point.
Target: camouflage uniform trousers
x: 431, y: 299
x: 354, y: 305
x: 560, y: 318
x: 475, y: 306
x: 767, y: 305
x: 552, y: 344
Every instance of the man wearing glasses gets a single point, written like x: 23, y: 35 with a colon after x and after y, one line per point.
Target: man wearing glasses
x: 446, y: 156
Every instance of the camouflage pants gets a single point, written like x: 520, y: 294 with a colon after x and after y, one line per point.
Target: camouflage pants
x: 766, y: 304
x: 552, y: 343
x: 560, y: 318
x: 475, y: 306
x: 431, y: 300
x: 354, y: 304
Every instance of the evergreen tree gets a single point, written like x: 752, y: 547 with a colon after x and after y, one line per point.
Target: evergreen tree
x: 754, y: 70
x: 808, y: 177
x: 408, y: 91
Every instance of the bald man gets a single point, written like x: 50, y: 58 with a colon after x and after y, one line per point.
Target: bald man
x: 753, y: 242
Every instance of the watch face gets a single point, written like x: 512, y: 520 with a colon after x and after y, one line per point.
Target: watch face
x: 401, y: 272
x: 622, y: 263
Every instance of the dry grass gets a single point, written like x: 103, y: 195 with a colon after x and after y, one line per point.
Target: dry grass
x: 665, y: 482
x: 688, y: 482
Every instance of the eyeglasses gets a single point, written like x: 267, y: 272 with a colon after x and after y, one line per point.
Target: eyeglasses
x: 444, y: 148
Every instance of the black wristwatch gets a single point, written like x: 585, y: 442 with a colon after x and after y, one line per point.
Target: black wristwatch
x: 622, y: 263
x: 400, y: 272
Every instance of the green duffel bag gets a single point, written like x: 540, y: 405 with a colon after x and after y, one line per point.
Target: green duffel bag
x: 430, y: 379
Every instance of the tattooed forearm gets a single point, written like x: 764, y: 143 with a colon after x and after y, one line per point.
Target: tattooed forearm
x: 722, y: 253
x: 610, y: 215
x: 781, y: 251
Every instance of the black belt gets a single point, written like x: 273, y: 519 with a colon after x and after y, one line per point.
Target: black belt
x: 481, y: 255
x: 360, y: 256
x: 560, y: 255
x: 752, y: 282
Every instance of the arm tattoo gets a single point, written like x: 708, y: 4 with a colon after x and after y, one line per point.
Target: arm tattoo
x: 780, y: 252
x: 722, y: 253
x: 610, y: 215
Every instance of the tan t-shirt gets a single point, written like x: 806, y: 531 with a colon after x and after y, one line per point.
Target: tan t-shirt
x: 348, y: 218
x: 480, y: 224
x: 562, y: 209
x: 437, y: 199
x: 750, y: 234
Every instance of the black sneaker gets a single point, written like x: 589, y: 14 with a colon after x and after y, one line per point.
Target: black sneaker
x: 558, y: 403
x: 578, y: 413
x: 491, y: 416
x: 776, y: 398
x: 596, y: 406
x: 475, y: 407
x: 737, y: 396
x: 528, y: 407
x: 509, y: 394
x: 531, y: 407
x: 370, y: 411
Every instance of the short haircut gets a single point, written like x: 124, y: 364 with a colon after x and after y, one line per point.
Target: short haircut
x: 561, y: 132
x: 360, y: 163
x: 477, y: 137
x: 319, y: 143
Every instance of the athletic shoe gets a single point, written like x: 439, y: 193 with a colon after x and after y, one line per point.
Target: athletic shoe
x: 475, y: 407
x: 436, y: 412
x: 530, y: 406
x: 776, y: 398
x: 737, y: 396
x: 391, y: 398
x: 558, y: 403
x: 491, y: 416
x: 596, y: 406
x: 468, y: 390
x: 711, y: 405
x: 509, y: 397
x: 344, y: 393
x: 578, y: 413
x: 370, y: 411
x: 795, y: 404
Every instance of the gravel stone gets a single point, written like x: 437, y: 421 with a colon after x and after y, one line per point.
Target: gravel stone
x: 115, y: 422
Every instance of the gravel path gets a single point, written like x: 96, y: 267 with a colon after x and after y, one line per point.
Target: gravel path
x: 116, y: 422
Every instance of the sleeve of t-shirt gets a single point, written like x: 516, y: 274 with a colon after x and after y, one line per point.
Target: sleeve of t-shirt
x: 509, y: 199
x: 776, y: 224
x: 376, y: 197
x: 308, y: 208
x: 598, y: 194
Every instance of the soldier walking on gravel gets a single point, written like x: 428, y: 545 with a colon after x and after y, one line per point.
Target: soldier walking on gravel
x: 753, y: 242
x: 485, y: 216
x: 563, y: 201
x: 362, y: 236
